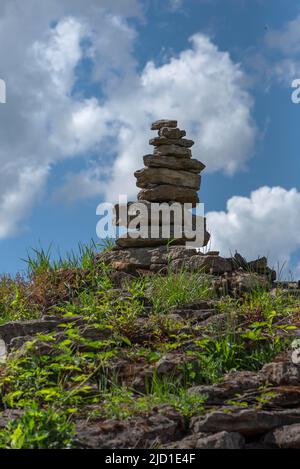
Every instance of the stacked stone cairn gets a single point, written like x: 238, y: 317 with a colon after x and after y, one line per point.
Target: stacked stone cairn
x: 170, y: 176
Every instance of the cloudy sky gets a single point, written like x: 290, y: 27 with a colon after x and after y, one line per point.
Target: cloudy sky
x: 85, y: 79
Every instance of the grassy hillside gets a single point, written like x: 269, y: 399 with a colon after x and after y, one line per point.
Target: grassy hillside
x: 105, y: 352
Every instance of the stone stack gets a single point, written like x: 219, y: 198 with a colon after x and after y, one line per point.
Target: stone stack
x: 170, y: 176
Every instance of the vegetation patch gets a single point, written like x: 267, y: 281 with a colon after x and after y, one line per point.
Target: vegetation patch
x: 119, y: 352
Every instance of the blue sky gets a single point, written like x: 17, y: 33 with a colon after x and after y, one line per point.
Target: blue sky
x: 84, y: 81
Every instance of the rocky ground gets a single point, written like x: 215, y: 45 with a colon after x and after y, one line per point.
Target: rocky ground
x: 167, y: 348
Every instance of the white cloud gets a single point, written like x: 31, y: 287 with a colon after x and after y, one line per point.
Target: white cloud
x: 286, y: 39
x: 266, y: 223
x: 45, y: 122
x: 42, y: 122
x: 201, y: 87
x: 25, y: 187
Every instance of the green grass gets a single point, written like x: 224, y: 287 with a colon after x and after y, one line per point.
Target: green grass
x: 38, y: 429
x: 177, y: 289
x: 42, y: 260
x: 123, y: 403
x: 234, y: 352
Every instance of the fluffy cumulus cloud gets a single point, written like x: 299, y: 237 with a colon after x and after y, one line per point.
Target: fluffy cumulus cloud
x: 50, y: 116
x: 201, y: 87
x: 42, y: 122
x: 266, y: 223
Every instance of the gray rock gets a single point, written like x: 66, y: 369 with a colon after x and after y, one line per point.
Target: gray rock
x: 14, y: 329
x: 181, y: 142
x: 170, y: 132
x: 180, y: 252
x: 259, y: 265
x: 282, y: 397
x: 136, y: 257
x: 281, y: 373
x: 175, y: 234
x: 128, y: 242
x: 173, y: 150
x: 9, y: 415
x: 172, y: 162
x: 296, y: 357
x: 195, y: 316
x: 232, y: 384
x: 168, y: 193
x: 243, y: 282
x: 287, y: 437
x: 173, y: 364
x: 157, y: 125
x: 207, y: 264
x: 221, y: 440
x: 138, y: 432
x: 245, y: 421
x: 151, y: 214
x: 150, y: 176
x: 3, y: 351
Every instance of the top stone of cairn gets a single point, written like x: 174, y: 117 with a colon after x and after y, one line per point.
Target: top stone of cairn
x: 164, y: 123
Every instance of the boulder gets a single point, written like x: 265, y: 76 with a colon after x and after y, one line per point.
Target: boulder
x: 221, y: 440
x: 248, y: 422
x: 287, y: 437
x: 281, y: 373
x: 232, y: 385
x: 14, y: 329
x: 174, y: 364
x: 214, y: 265
x: 150, y: 176
x: 243, y: 282
x: 136, y: 257
x: 172, y: 162
x: 282, y: 396
x: 142, y: 432
x: 259, y: 265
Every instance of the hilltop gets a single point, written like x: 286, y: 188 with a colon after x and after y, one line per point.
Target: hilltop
x: 112, y: 355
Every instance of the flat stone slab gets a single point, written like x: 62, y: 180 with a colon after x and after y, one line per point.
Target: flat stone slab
x: 154, y: 214
x: 181, y: 142
x: 169, y: 132
x: 173, y: 150
x: 14, y: 329
x: 166, y: 193
x: 221, y: 440
x: 172, y: 162
x: 152, y: 176
x: 142, y: 242
x: 164, y: 123
x: 246, y: 421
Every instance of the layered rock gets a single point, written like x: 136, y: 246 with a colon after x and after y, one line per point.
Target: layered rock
x: 148, y: 176
x: 170, y: 176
